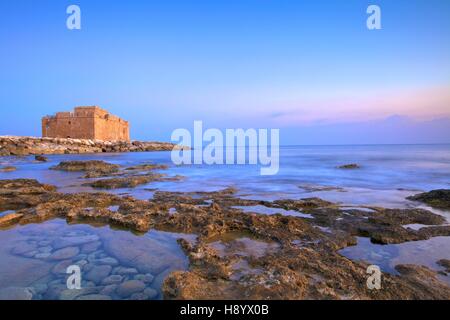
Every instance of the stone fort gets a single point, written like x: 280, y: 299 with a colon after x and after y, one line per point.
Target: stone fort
x: 86, y: 123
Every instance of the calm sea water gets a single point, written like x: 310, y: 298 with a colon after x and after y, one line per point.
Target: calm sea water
x: 387, y: 175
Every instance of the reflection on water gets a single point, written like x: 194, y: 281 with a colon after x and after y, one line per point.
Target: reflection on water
x: 387, y: 175
x: 269, y: 211
x: 426, y: 253
x: 115, y: 264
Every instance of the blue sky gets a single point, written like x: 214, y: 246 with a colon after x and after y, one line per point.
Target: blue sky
x: 310, y: 68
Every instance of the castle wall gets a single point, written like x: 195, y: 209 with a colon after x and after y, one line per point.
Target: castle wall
x: 86, y: 123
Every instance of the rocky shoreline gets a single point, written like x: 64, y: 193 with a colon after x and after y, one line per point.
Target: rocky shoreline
x: 243, y: 255
x: 24, y: 146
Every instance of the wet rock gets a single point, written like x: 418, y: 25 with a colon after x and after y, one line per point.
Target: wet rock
x: 30, y: 254
x: 127, y: 288
x: 349, y: 166
x: 72, y: 294
x: 93, y: 297
x: 8, y: 169
x: 23, y: 247
x: 87, y: 166
x: 23, y: 193
x: 90, y: 247
x: 150, y: 293
x: 10, y: 219
x: 63, y: 242
x: 435, y: 198
x: 125, y: 182
x: 303, y: 264
x: 139, y: 296
x: 146, y: 255
x: 112, y: 279
x: 39, y: 288
x: 15, y: 293
x: 42, y: 255
x: 108, y: 260
x: 65, y: 253
x: 41, y: 158
x: 445, y: 263
x: 45, y: 249
x: 54, y: 290
x: 125, y: 271
x: 146, y: 278
x: 425, y: 280
x: 109, y: 290
x: 22, y: 146
x: 145, y: 167
x: 61, y: 267
x: 98, y: 273
x: 319, y: 188
x: 306, y: 203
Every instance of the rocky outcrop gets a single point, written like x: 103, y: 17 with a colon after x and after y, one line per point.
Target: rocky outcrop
x: 8, y: 169
x: 435, y: 198
x: 130, y: 181
x: 235, y: 255
x: 94, y: 166
x: 40, y: 158
x: 23, y: 146
x: 349, y: 166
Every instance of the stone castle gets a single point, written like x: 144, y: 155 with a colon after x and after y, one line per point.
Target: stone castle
x: 86, y: 123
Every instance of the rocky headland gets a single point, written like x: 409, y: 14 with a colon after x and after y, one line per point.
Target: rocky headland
x: 24, y: 146
x: 239, y: 254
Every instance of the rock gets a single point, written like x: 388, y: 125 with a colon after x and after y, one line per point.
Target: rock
x: 98, y: 273
x: 436, y: 198
x: 8, y: 169
x: 151, y: 293
x: 23, y: 247
x: 146, y: 167
x: 63, y: 242
x: 349, y: 166
x: 54, y: 290
x: 127, y: 288
x: 72, y: 294
x: 65, y: 253
x: 139, y: 296
x: 445, y: 263
x: 61, y: 267
x: 108, y: 260
x: 125, y: 271
x: 93, y: 297
x: 15, y: 293
x: 39, y: 288
x: 112, y: 279
x: 10, y: 219
x: 45, y: 249
x: 146, y: 278
x: 145, y: 255
x: 42, y: 255
x: 88, y: 166
x: 40, y: 158
x: 109, y: 290
x: 125, y: 182
x: 22, y: 146
x: 91, y: 247
x: 31, y: 254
